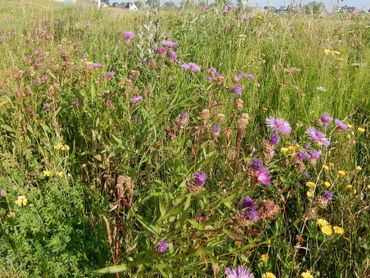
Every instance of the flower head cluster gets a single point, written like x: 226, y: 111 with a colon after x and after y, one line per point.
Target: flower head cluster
x: 21, y: 201
x: 249, y: 208
x: 182, y: 119
x: 162, y: 247
x: 326, y: 119
x: 279, y: 125
x: 263, y: 176
x: 197, y: 182
x: 192, y: 67
x: 136, y: 99
x: 128, y: 36
x: 238, y: 272
x: 341, y: 126
x: 318, y: 137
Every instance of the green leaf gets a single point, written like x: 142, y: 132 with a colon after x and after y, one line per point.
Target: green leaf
x: 195, y: 224
x: 112, y: 269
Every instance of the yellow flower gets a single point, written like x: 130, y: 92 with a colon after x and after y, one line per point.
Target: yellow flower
x: 338, y: 230
x: 310, y: 194
x: 349, y: 186
x: 21, y: 201
x: 293, y: 148
x: 349, y: 125
x: 306, y: 274
x: 60, y: 174
x: 322, y: 222
x: 268, y: 275
x: 360, y: 129
x: 358, y: 168
x: 264, y: 257
x: 327, y: 184
x: 335, y: 52
x: 65, y: 148
x: 11, y: 214
x: 325, y: 167
x: 310, y: 184
x: 46, y: 173
x: 342, y: 173
x: 284, y: 149
x: 327, y: 230
x: 58, y: 146
x: 327, y: 51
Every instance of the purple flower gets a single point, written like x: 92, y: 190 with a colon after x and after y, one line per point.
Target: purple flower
x: 250, y: 76
x: 162, y: 246
x: 46, y: 106
x: 318, y: 137
x: 248, y: 202
x: 238, y: 77
x: 109, y: 75
x: 172, y: 53
x: 245, y: 18
x: 274, y: 139
x: 213, y: 72
x: 199, y: 179
x: 340, y: 125
x: 251, y: 214
x: 136, y: 99
x: 239, y: 272
x: 326, y: 119
x: 128, y: 36
x: 256, y: 163
x: 279, y: 125
x: 307, y: 146
x: 314, y: 154
x: 237, y: 90
x: 191, y: 67
x: 2, y: 192
x: 216, y: 129
x: 76, y: 101
x: 263, y: 176
x: 169, y: 44
x: 182, y: 119
x: 327, y: 195
x: 302, y: 155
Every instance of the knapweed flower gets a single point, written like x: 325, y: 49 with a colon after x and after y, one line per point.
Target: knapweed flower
x: 237, y: 90
x: 169, y: 44
x: 248, y: 202
x: 341, y: 125
x: 274, y: 139
x: 172, y: 54
x: 239, y: 76
x: 161, y: 51
x: 256, y: 163
x: 182, y: 119
x: 263, y: 176
x: 128, y: 36
x: 314, y: 154
x: 302, y: 155
x: 265, y: 257
x: 162, y: 246
x: 109, y: 75
x: 192, y: 67
x: 326, y: 119
x: 216, y: 129
x: 327, y: 195
x: 268, y: 210
x: 238, y: 272
x: 21, y: 201
x: 46, y: 106
x: 338, y: 230
x: 318, y: 137
x: 306, y: 274
x: 199, y: 179
x: 136, y: 99
x: 268, y: 275
x: 249, y: 76
x: 251, y: 214
x: 279, y: 125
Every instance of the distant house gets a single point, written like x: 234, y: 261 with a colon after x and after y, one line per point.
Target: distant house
x: 346, y: 9
x: 127, y: 5
x: 282, y: 10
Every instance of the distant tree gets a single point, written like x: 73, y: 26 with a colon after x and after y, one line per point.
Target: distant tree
x: 313, y: 7
x: 153, y: 3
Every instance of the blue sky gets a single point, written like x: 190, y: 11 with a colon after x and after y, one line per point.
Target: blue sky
x: 361, y: 4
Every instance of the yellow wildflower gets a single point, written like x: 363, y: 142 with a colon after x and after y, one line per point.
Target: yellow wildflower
x: 306, y: 274
x: 358, y: 168
x: 46, y: 173
x: 268, y: 275
x: 349, y: 186
x: 310, y: 194
x: 322, y: 222
x: 60, y: 174
x: 349, y: 125
x: 264, y: 257
x: 58, y: 146
x: 310, y: 184
x: 327, y: 184
x: 284, y: 149
x: 338, y: 230
x: 342, y: 173
x: 11, y: 214
x: 325, y: 167
x: 327, y: 230
x: 360, y: 129
x: 327, y: 51
x: 21, y: 201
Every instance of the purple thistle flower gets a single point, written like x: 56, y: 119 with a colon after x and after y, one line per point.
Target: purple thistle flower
x: 318, y: 137
x: 327, y: 195
x: 162, y: 246
x: 182, y: 119
x: 109, y: 75
x: 128, y: 36
x: 239, y: 272
x: 238, y: 77
x: 279, y: 125
x: 172, y: 53
x: 95, y: 66
x: 161, y: 50
x: 192, y: 67
x: 250, y: 76
x: 212, y: 71
x: 199, y: 179
x: 314, y: 154
x: 302, y: 155
x: 216, y: 129
x: 251, y: 214
x: 263, y: 176
x: 274, y: 139
x: 245, y: 18
x: 256, y: 163
x: 46, y: 106
x: 248, y: 202
x: 307, y: 146
x: 169, y: 44
x: 326, y: 119
x: 136, y: 99
x: 237, y: 90
x: 341, y: 125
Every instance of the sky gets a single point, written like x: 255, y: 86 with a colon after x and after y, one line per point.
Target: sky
x: 360, y: 4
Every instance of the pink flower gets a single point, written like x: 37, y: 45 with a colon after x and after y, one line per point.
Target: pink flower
x: 263, y: 176
x: 191, y: 67
x: 279, y: 125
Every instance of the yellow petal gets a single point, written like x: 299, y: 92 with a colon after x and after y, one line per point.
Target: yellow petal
x: 268, y: 275
x: 327, y: 230
x: 341, y: 173
x: 310, y: 184
x: 264, y: 257
x: 338, y: 230
x: 327, y: 184
x: 310, y: 194
x: 322, y: 222
x: 360, y: 129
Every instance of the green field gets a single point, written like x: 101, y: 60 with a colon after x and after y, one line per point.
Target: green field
x: 194, y: 144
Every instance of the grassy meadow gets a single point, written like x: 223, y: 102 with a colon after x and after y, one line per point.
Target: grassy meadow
x: 183, y: 143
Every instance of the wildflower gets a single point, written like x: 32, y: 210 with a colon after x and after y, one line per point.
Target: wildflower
x: 169, y: 44
x: 361, y: 130
x: 128, y: 36
x: 302, y: 155
x: 342, y: 173
x: 327, y: 230
x: 279, y: 125
x: 182, y: 119
x: 109, y: 75
x: 265, y: 257
x: 263, y: 176
x: 268, y: 275
x: 136, y: 99
x: 318, y: 137
x: 341, y: 125
x: 310, y: 194
x: 326, y: 52
x: 358, y: 168
x: 251, y: 214
x: 274, y: 139
x: 310, y: 184
x: 238, y: 77
x: 314, y: 154
x: 322, y: 222
x: 338, y: 230
x: 46, y: 173
x: 349, y: 186
x: 172, y: 54
x: 192, y: 67
x: 284, y: 149
x: 162, y: 247
x: 245, y: 18
x: 306, y: 274
x: 199, y: 179
x: 327, y: 195
x: 60, y: 174
x: 325, y: 167
x: 2, y: 193
x: 21, y: 201
x: 46, y: 106
x: 239, y: 272
x: 256, y: 163
x: 237, y: 90
x: 268, y: 210
x: 326, y: 119
x: 220, y: 118
x: 161, y: 51
x: 216, y: 129
x: 320, y: 89
x: 249, y: 76
x: 327, y: 184
x: 248, y: 202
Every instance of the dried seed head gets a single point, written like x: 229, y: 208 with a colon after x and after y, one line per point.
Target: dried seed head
x: 220, y: 118
x: 242, y: 123
x: 299, y: 239
x: 310, y: 214
x: 268, y: 210
x: 238, y: 104
x: 322, y: 202
x: 134, y: 74
x: 206, y: 115
x: 136, y: 90
x: 120, y: 180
